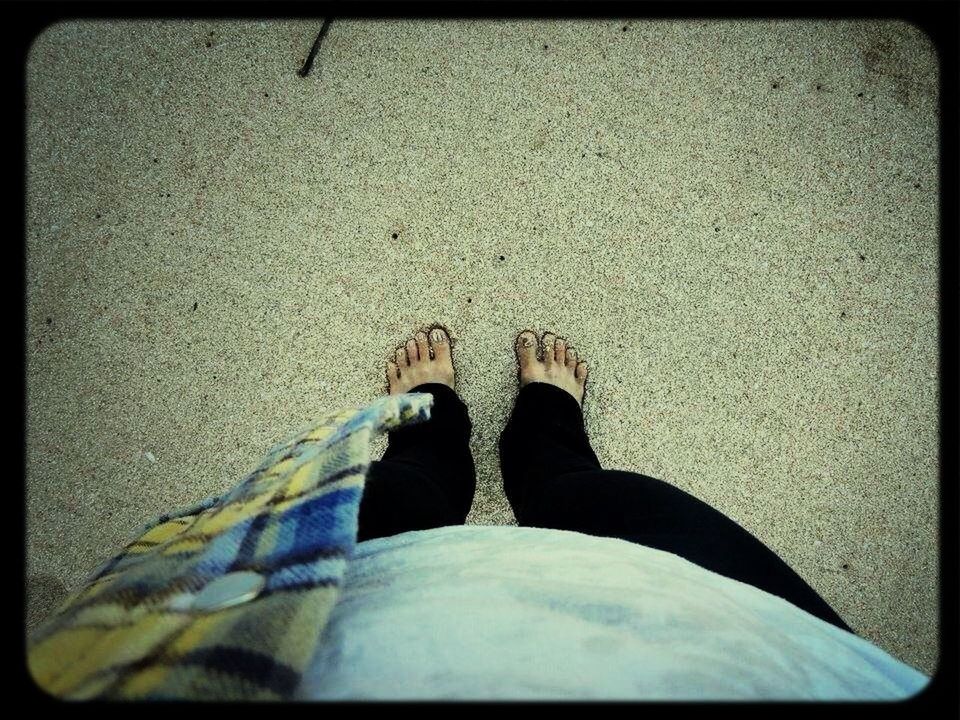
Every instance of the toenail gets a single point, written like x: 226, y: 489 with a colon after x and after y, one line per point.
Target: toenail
x: 527, y: 341
x: 437, y: 336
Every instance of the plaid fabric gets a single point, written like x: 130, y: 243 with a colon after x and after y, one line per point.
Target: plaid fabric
x: 139, y: 628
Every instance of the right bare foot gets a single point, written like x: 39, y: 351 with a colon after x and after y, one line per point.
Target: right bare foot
x: 559, y: 365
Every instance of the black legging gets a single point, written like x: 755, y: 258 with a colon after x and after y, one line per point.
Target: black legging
x: 553, y: 479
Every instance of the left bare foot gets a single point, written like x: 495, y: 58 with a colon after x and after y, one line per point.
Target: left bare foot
x: 421, y: 360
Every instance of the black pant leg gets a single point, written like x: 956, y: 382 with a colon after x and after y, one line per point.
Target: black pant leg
x: 544, y: 437
x: 554, y: 480
x: 426, y: 477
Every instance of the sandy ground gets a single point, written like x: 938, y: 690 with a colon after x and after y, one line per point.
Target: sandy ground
x: 735, y: 222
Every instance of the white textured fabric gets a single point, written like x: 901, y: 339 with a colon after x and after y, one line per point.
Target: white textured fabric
x: 472, y: 612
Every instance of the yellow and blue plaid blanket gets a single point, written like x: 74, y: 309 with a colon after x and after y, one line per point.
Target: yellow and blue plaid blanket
x: 226, y: 599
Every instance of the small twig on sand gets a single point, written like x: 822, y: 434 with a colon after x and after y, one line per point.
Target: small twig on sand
x: 305, y: 70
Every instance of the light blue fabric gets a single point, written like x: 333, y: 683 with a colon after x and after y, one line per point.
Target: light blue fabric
x: 524, y: 613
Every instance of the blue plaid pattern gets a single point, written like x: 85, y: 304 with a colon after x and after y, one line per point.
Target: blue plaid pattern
x: 142, y: 629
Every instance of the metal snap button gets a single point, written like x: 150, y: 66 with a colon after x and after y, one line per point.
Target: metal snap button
x: 229, y: 590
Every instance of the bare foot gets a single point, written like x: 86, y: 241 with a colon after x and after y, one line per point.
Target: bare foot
x: 421, y: 360
x: 559, y: 365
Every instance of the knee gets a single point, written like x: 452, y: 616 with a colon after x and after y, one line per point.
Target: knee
x: 397, y: 499
x: 615, y: 500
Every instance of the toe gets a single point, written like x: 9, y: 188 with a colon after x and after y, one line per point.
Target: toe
x: 571, y: 358
x: 549, y: 349
x: 560, y: 347
x: 526, y: 348
x: 393, y: 374
x: 440, y: 342
x: 402, y: 360
x: 423, y: 349
x: 412, y: 351
x: 581, y: 371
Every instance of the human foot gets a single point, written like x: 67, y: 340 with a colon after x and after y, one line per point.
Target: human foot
x: 421, y: 360
x: 559, y: 366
